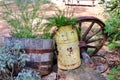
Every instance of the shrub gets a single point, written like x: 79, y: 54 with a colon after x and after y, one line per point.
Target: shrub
x: 24, y: 17
x: 113, y: 22
x: 12, y: 60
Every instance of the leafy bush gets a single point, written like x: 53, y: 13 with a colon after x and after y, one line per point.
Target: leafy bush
x: 113, y: 29
x: 113, y: 6
x: 24, y: 17
x: 113, y: 22
x: 12, y: 60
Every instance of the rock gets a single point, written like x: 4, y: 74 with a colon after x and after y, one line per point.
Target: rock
x: 84, y: 72
x: 51, y: 76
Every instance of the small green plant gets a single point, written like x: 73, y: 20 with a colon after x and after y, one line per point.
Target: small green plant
x: 114, y: 73
x: 24, y: 17
x: 89, y: 51
x: 28, y: 75
x: 62, y: 18
x: 47, y: 35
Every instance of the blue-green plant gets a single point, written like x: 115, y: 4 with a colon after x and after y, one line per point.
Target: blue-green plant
x: 28, y: 75
x: 12, y: 60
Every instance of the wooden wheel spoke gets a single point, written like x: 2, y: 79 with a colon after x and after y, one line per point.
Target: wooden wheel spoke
x: 93, y: 35
x: 89, y: 46
x: 80, y: 24
x: 87, y: 31
x: 89, y: 37
x: 94, y: 40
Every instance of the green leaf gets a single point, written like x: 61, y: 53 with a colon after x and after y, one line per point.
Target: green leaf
x: 110, y: 77
x: 118, y: 67
x: 61, y: 20
x: 114, y: 70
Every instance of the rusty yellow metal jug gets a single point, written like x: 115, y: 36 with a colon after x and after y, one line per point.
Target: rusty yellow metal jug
x: 68, y: 48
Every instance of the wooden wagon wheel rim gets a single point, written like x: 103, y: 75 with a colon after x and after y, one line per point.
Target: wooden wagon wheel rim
x: 85, y: 40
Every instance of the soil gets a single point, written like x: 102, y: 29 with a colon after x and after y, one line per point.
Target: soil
x: 112, y: 57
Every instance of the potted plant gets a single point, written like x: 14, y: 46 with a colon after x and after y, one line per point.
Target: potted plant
x: 25, y: 19
x: 66, y: 39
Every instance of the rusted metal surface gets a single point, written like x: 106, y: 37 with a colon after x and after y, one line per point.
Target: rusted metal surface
x: 85, y: 39
x: 68, y: 50
x: 39, y: 51
x: 101, y: 63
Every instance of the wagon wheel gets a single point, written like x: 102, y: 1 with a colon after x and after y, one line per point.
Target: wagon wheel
x: 92, y: 36
x: 101, y: 63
